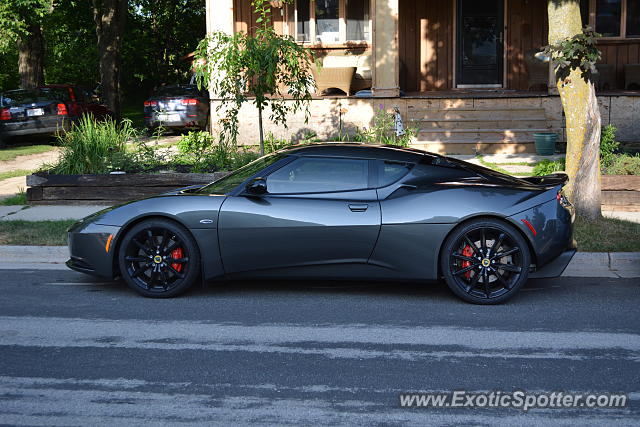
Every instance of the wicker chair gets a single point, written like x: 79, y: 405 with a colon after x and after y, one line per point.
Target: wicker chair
x: 632, y: 76
x: 334, y: 77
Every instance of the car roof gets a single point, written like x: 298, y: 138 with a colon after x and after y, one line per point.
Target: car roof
x: 367, y: 151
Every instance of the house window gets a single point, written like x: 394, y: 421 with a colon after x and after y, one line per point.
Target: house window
x: 330, y: 21
x: 633, y: 18
x: 612, y: 18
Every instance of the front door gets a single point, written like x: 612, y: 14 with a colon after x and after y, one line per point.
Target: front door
x: 317, y: 212
x: 480, y: 43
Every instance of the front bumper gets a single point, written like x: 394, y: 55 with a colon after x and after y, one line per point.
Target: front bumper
x: 89, y: 251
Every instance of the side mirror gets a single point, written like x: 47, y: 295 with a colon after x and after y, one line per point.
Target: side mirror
x: 256, y: 186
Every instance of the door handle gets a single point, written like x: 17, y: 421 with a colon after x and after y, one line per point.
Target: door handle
x: 358, y: 207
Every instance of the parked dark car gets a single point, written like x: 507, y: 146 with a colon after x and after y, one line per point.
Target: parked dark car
x: 177, y: 107
x: 46, y: 110
x: 336, y: 211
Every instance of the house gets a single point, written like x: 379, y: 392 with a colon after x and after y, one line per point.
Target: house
x: 466, y: 73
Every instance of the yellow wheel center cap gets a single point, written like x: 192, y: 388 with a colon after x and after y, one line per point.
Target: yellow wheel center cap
x: 157, y: 259
x: 486, y: 262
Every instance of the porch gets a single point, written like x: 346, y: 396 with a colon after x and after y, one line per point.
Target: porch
x: 464, y: 76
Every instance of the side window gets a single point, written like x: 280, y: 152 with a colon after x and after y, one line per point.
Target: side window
x: 390, y: 172
x: 319, y: 175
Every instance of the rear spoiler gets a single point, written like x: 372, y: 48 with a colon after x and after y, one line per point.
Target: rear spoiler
x: 551, y: 180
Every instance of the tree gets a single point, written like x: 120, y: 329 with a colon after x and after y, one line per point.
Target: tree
x: 21, y: 23
x: 574, y: 55
x: 109, y: 17
x: 264, y: 66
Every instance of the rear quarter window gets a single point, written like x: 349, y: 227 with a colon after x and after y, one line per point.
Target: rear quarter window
x: 390, y: 172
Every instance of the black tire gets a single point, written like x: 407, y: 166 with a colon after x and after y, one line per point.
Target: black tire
x: 155, y: 277
x: 479, y: 273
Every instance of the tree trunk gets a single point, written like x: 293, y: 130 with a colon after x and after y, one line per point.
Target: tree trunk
x: 582, y: 117
x: 109, y: 16
x: 30, y: 58
x: 261, y: 131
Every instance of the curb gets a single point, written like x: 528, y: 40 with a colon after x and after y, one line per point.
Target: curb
x: 584, y: 264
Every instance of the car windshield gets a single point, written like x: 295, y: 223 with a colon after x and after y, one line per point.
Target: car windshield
x: 230, y: 182
x: 17, y: 97
x: 178, y: 91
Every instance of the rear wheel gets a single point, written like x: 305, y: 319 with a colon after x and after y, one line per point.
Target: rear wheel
x: 159, y: 258
x: 485, y: 261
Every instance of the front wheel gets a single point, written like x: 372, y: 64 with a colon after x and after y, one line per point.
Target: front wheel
x: 485, y: 261
x: 159, y: 258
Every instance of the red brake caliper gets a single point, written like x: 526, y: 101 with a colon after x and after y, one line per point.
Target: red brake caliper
x: 176, y: 254
x: 467, y: 251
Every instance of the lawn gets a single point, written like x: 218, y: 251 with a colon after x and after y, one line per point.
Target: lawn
x: 14, y: 173
x: 135, y: 113
x: 10, y: 153
x: 605, y: 235
x: 40, y: 233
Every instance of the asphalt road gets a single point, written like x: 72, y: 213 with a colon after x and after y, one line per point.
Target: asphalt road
x: 75, y: 351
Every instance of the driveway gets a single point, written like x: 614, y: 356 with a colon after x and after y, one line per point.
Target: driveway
x: 76, y: 351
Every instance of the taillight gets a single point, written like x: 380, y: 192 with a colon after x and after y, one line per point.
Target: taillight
x: 189, y: 102
x: 150, y: 103
x: 62, y: 110
x: 562, y: 199
x: 5, y: 114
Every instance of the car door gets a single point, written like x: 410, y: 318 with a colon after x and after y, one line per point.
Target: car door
x: 317, y: 211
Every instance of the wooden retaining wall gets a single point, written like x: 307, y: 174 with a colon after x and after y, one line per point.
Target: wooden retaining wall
x: 108, y: 189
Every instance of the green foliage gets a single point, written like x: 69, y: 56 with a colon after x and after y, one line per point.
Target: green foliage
x: 196, y: 145
x: 17, y: 15
x: 578, y: 52
x: 382, y: 131
x: 546, y: 167
x: 266, y: 66
x: 608, y: 145
x: 93, y: 146
x: 71, y: 54
x: 623, y: 164
x: 272, y: 144
x: 158, y: 35
x: 200, y: 153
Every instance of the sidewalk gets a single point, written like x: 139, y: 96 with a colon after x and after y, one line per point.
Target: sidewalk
x: 584, y: 264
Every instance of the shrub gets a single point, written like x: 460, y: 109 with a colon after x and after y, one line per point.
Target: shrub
x: 546, y: 167
x: 624, y: 164
x: 608, y: 145
x: 90, y: 146
x: 196, y: 147
x: 272, y: 144
x: 382, y: 131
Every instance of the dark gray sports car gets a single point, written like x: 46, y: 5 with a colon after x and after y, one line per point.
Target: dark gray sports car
x: 344, y: 211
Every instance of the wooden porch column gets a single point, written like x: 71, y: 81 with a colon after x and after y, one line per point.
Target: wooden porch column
x: 386, y: 58
x: 220, y: 16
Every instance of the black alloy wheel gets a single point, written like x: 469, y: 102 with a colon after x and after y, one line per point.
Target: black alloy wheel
x: 159, y: 258
x: 485, y: 261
